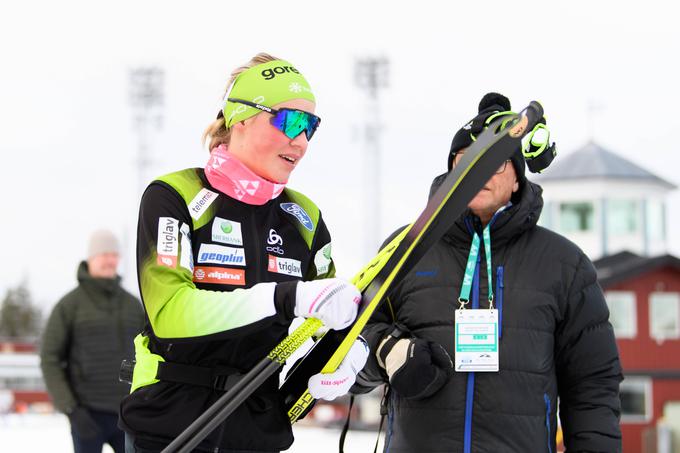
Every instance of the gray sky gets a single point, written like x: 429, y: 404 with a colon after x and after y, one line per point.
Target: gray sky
x: 68, y: 148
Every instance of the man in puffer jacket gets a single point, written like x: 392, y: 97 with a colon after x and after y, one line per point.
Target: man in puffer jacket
x: 477, y: 347
x: 89, y: 332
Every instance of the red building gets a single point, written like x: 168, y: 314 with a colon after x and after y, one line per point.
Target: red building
x: 643, y: 295
x: 21, y: 384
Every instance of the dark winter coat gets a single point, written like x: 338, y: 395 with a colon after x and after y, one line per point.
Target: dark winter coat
x: 88, y: 334
x: 555, y: 340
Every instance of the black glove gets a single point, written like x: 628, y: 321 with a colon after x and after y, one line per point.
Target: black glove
x: 416, y: 368
x: 83, y: 423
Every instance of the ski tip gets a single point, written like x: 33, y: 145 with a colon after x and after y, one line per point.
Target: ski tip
x: 536, y: 110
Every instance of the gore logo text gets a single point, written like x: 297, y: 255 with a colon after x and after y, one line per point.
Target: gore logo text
x: 269, y: 74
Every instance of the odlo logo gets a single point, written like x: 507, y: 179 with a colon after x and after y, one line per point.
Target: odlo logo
x: 269, y: 74
x: 274, y: 240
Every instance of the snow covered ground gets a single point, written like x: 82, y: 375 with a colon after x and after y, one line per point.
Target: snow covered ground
x: 33, y: 433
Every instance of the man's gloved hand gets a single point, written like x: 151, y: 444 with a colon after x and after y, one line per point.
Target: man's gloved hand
x: 334, y: 301
x: 416, y: 368
x: 536, y: 148
x: 83, y: 423
x: 330, y: 386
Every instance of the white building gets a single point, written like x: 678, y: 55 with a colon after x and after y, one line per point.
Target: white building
x: 605, y: 203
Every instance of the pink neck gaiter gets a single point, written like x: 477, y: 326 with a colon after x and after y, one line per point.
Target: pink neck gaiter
x: 230, y: 176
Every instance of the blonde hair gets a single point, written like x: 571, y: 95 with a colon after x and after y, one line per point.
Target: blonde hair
x: 217, y: 131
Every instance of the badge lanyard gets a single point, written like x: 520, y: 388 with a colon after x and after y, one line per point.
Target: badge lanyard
x: 466, y: 288
x: 476, y: 332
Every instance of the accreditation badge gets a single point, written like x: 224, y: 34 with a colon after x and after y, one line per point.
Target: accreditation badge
x: 476, y: 340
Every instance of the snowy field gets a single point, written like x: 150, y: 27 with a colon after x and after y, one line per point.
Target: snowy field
x: 33, y: 433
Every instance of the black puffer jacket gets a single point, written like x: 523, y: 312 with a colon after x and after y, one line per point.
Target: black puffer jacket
x: 555, y: 340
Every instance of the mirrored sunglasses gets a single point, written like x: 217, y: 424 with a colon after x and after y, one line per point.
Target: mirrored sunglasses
x: 291, y: 122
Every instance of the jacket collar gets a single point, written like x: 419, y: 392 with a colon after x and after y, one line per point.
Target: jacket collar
x: 526, y: 208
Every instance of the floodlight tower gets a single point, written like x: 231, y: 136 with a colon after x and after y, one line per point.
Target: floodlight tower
x: 146, y: 97
x: 146, y: 100
x: 371, y: 77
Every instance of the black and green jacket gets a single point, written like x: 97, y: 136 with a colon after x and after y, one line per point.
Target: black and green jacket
x: 209, y: 267
x: 88, y: 334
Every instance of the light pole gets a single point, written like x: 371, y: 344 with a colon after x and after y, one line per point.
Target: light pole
x: 146, y: 100
x: 146, y: 97
x: 371, y: 76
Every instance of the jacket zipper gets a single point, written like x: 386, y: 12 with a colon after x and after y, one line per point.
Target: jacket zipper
x: 547, y: 420
x: 469, y: 396
x: 258, y: 251
x: 499, y: 299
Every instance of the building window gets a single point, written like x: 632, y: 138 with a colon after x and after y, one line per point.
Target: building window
x: 656, y: 220
x: 664, y: 315
x: 622, y: 313
x: 576, y: 217
x: 636, y: 400
x: 623, y: 217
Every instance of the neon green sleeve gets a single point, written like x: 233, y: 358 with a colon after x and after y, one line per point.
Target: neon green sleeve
x: 174, y: 306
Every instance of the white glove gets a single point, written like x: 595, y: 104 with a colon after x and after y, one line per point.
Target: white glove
x: 330, y: 386
x: 331, y: 300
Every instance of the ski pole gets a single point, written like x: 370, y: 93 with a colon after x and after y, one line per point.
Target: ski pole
x: 246, y: 385
x: 249, y: 382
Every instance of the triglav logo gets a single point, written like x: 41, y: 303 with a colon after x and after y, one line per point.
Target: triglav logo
x: 274, y: 240
x: 226, y: 231
x: 285, y: 266
x: 167, y: 241
x: 295, y: 210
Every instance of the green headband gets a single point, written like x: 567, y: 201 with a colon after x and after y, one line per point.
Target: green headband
x: 267, y: 84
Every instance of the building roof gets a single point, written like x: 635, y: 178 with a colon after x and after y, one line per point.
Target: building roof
x: 613, y: 269
x: 593, y: 161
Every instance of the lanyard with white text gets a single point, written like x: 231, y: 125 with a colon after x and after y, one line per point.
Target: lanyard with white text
x: 466, y: 288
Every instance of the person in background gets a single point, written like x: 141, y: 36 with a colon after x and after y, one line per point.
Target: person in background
x: 500, y: 319
x: 88, y: 333
x: 228, y: 256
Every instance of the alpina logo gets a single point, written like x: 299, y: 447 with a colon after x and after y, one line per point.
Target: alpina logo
x: 220, y: 276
